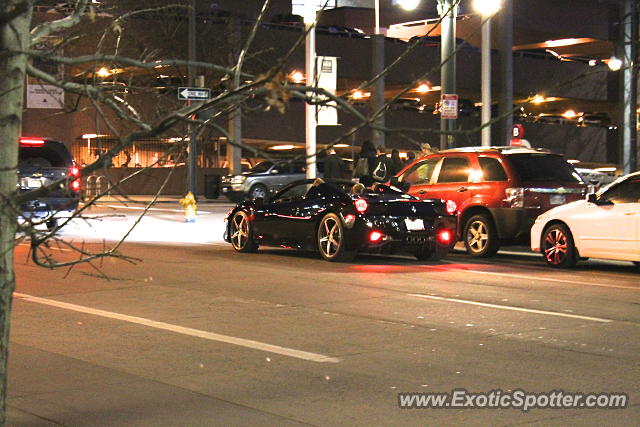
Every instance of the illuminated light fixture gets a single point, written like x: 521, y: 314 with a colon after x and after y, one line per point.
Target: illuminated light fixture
x: 89, y: 135
x: 407, y: 4
x: 358, y: 94
x: 341, y: 146
x: 614, y: 63
x: 593, y: 62
x: 538, y: 99
x: 31, y: 141
x: 309, y: 14
x: 561, y: 42
x: 569, y: 114
x: 403, y: 155
x: 444, y: 237
x: 487, y: 7
x: 103, y: 72
x: 375, y: 236
x: 423, y: 88
x: 607, y: 169
x: 573, y: 161
x: 361, y: 205
x: 282, y: 147
x: 297, y: 77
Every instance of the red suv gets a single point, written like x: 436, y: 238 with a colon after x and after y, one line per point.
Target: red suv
x: 498, y: 191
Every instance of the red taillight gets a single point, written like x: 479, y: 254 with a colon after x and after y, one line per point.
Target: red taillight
x: 32, y: 142
x: 75, y: 185
x: 444, y: 237
x: 361, y: 205
x: 75, y: 171
x: 349, y: 218
x: 375, y: 236
x: 451, y: 207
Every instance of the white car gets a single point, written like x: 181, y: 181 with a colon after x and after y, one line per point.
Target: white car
x: 605, y: 225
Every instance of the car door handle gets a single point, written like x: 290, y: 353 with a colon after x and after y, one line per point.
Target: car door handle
x: 462, y: 189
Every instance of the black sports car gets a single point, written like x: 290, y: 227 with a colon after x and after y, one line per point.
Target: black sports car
x: 339, y: 218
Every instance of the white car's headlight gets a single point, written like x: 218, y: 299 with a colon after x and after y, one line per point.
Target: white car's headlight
x: 238, y: 179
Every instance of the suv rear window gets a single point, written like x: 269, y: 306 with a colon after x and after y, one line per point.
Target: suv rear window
x: 532, y: 167
x: 46, y: 156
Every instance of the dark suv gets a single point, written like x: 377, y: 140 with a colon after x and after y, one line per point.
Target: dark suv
x: 498, y: 191
x: 40, y: 163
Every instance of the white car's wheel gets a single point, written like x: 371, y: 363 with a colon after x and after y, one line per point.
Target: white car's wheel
x: 557, y: 247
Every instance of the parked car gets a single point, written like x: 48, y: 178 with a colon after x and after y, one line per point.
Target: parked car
x: 339, y: 219
x: 605, y: 225
x: 264, y: 179
x: 40, y: 163
x: 498, y: 191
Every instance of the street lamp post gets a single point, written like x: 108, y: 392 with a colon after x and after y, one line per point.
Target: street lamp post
x: 487, y: 9
x: 377, y: 67
x: 310, y: 109
x: 448, y: 13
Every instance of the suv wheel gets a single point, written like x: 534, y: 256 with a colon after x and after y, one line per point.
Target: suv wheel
x: 557, y: 247
x: 258, y: 191
x: 480, y: 237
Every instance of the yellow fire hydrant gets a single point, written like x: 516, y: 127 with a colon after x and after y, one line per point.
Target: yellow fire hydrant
x: 189, y: 206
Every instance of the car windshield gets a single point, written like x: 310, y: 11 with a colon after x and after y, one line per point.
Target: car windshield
x: 46, y: 156
x: 539, y: 167
x: 261, y: 167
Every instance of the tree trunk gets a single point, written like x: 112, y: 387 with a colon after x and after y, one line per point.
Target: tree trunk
x: 15, y: 19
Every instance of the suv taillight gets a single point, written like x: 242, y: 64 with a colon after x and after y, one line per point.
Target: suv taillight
x: 515, y: 197
x: 74, y: 172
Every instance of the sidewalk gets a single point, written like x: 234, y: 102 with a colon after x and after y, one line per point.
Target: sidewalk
x: 146, y: 199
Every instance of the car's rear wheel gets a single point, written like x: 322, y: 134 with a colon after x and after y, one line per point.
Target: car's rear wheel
x: 258, y: 191
x: 332, y: 242
x: 241, y: 233
x: 431, y: 253
x: 480, y: 237
x: 557, y: 247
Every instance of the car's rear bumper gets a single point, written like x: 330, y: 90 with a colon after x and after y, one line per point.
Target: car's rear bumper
x: 513, y: 223
x: 232, y: 194
x: 49, y: 207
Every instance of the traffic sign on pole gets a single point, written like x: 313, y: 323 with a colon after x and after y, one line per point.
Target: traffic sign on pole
x: 193, y: 94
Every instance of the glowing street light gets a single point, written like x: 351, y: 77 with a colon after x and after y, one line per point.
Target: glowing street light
x: 614, y: 64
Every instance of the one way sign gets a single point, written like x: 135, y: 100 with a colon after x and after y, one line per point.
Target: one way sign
x: 193, y: 94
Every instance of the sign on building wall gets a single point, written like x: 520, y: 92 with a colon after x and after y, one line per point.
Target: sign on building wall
x: 327, y: 67
x: 44, y: 96
x: 41, y: 95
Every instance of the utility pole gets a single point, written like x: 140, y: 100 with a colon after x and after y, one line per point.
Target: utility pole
x: 629, y: 98
x: 377, y: 67
x: 192, y: 160
x: 448, y: 68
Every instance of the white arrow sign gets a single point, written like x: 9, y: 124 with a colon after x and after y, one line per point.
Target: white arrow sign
x: 193, y: 94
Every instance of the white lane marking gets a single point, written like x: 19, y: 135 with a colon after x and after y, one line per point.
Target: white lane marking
x: 508, y: 307
x: 256, y: 345
x: 139, y: 208
x: 540, y: 278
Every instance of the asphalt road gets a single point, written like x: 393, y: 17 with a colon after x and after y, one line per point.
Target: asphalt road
x: 196, y: 334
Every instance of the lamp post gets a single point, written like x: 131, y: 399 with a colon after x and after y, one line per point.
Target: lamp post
x: 310, y: 70
x: 486, y: 8
x: 448, y: 13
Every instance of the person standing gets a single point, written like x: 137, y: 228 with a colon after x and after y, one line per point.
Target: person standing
x: 333, y: 166
x: 397, y: 161
x: 365, y: 163
x: 384, y: 167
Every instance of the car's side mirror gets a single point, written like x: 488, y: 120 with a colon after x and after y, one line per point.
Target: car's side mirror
x: 592, y: 198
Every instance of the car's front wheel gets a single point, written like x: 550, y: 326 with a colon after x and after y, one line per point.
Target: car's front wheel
x: 258, y: 191
x: 332, y: 242
x: 241, y: 233
x: 557, y: 247
x: 480, y: 237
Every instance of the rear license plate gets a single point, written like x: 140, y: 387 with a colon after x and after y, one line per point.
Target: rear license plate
x: 34, y: 183
x: 414, y: 224
x: 557, y: 199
